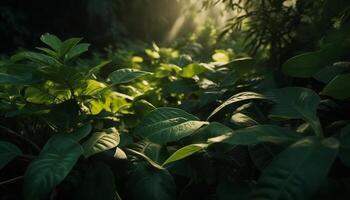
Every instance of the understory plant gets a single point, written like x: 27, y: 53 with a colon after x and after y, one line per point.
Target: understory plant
x: 170, y: 127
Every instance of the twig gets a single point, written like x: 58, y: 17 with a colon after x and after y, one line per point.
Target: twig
x: 12, y: 180
x: 35, y: 146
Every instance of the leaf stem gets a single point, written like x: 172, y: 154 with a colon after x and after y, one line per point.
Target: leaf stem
x: 12, y: 180
x: 35, y: 146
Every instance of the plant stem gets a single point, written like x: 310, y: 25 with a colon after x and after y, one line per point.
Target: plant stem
x: 12, y: 180
x: 35, y: 146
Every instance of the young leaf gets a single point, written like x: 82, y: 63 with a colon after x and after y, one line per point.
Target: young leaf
x: 257, y: 134
x: 296, y: 103
x: 126, y: 75
x: 51, y: 40
x: 338, y: 87
x: 194, y: 69
x: 101, y: 141
x: 305, y: 163
x: 55, y: 161
x: 185, y: 152
x: 76, y: 51
x: 165, y: 124
x: 8, y: 152
x: 237, y: 98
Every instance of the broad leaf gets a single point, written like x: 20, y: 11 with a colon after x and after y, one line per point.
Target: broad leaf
x: 81, y: 132
x: 296, y: 103
x: 194, y: 69
x: 185, y: 152
x: 305, y: 163
x: 151, y: 184
x: 237, y: 98
x: 8, y: 152
x: 126, y: 75
x: 98, y: 183
x: 101, y: 141
x: 165, y: 124
x: 55, y: 161
x: 51, y: 40
x: 77, y: 50
x: 307, y: 64
x: 257, y: 134
x: 15, y: 79
x: 338, y: 87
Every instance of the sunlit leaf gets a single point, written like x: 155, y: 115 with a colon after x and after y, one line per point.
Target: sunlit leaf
x: 165, y: 124
x: 101, y: 141
x: 185, y: 152
x: 126, y: 75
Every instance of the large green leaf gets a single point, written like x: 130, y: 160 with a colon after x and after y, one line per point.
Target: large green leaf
x: 338, y: 87
x: 149, y: 183
x: 126, y: 75
x: 55, y: 161
x: 165, y: 124
x: 256, y: 134
x: 307, y: 64
x: 8, y: 152
x: 15, y: 79
x: 296, y: 103
x: 81, y: 132
x: 98, y: 183
x: 185, y: 152
x: 298, y: 171
x: 237, y: 98
x: 101, y: 141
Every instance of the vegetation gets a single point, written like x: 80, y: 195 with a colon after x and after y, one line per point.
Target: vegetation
x: 250, y: 111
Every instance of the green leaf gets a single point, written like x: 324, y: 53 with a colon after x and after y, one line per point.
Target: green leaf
x: 338, y: 87
x: 194, y: 69
x: 307, y: 64
x: 296, y: 103
x: 185, y: 152
x: 101, y: 141
x: 98, y: 183
x: 237, y: 98
x: 15, y: 79
x: 38, y: 58
x: 51, y: 40
x: 67, y: 46
x: 256, y: 134
x: 55, y: 161
x: 126, y: 75
x: 81, y: 132
x: 305, y: 163
x: 8, y: 152
x: 242, y: 66
x: 77, y: 50
x: 151, y: 184
x: 165, y: 124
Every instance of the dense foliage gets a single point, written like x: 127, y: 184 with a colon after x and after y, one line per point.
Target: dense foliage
x: 198, y: 119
